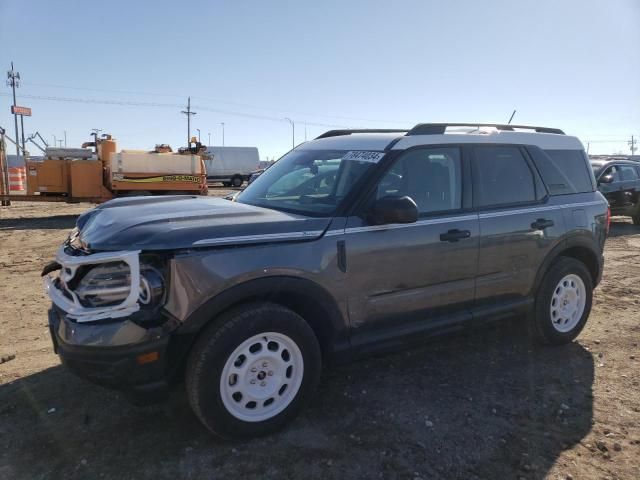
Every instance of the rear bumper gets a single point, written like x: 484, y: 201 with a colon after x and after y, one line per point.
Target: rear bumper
x: 94, y: 352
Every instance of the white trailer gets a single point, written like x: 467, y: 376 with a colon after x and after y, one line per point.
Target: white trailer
x: 231, y: 165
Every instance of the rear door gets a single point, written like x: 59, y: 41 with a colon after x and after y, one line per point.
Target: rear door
x: 407, y: 278
x: 517, y: 226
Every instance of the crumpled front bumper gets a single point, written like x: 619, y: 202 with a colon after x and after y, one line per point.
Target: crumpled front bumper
x: 119, y: 355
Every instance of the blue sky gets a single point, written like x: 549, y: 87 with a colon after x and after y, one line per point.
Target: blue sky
x: 573, y: 64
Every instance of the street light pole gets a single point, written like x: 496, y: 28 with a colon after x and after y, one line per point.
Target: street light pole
x: 293, y: 132
x: 65, y: 139
x: 198, y: 134
x: 222, y: 123
x: 209, y: 144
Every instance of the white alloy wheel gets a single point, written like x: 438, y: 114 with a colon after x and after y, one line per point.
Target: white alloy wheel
x: 261, y: 377
x: 567, y: 303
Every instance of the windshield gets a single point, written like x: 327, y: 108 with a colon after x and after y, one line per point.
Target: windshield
x: 310, y: 182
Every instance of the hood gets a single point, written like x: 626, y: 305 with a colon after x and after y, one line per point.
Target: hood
x: 174, y: 222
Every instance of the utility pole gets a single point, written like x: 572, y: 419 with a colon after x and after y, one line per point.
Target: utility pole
x: 222, y: 123
x: 55, y: 141
x: 95, y: 132
x: 209, y: 144
x: 60, y: 142
x: 293, y: 133
x: 632, y: 144
x: 188, y: 113
x: 65, y: 139
x: 198, y: 134
x: 13, y: 80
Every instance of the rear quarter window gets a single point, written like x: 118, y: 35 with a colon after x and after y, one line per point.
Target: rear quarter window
x: 564, y: 171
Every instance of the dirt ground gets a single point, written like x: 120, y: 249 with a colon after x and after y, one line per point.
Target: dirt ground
x: 485, y: 404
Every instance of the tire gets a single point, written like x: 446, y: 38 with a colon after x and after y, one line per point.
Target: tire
x: 636, y: 219
x: 237, y: 181
x: 563, y: 302
x: 278, y: 379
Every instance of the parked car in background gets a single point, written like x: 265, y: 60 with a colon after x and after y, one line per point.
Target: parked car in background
x: 619, y: 182
x: 351, y: 243
x: 231, y: 165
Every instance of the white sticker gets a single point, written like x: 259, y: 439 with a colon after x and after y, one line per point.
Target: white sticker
x: 362, y: 156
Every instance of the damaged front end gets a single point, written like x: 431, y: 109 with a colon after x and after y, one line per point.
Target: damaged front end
x: 107, y: 321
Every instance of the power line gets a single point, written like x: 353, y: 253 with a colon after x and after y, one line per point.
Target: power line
x: 128, y: 103
x: 217, y: 101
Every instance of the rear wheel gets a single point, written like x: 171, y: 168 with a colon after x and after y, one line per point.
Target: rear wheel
x: 563, y: 302
x: 636, y: 219
x: 236, y: 181
x: 252, y: 371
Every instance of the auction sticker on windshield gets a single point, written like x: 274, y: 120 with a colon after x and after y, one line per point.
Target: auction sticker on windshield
x: 362, y: 156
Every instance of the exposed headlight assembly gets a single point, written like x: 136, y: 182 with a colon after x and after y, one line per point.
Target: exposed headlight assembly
x: 105, y: 285
x: 109, y: 284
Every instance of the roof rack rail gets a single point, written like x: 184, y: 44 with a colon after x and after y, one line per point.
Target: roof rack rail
x: 339, y: 133
x: 440, y: 128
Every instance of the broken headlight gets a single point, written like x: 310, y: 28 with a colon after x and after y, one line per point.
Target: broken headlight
x: 109, y: 284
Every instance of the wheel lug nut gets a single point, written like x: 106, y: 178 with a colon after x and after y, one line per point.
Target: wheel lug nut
x: 263, y: 383
x: 254, y: 369
x: 252, y: 382
x: 265, y: 364
x: 270, y: 373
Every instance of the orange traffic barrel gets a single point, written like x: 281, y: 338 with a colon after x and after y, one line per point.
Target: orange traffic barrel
x: 17, y: 179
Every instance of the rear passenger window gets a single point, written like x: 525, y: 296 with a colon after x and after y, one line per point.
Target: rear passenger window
x: 564, y: 171
x: 502, y: 176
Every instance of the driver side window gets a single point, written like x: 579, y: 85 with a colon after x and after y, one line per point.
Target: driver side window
x: 430, y: 176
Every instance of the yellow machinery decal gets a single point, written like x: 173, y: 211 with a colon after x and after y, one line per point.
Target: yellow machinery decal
x: 119, y: 177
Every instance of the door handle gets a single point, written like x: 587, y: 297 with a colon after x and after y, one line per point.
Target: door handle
x: 454, y: 235
x: 541, y: 224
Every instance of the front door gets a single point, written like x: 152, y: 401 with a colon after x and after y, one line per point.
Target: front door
x: 408, y: 278
x: 623, y: 193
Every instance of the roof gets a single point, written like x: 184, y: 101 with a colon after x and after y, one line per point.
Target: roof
x: 545, y: 138
x: 600, y: 162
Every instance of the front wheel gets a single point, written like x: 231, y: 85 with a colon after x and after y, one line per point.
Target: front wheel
x: 253, y: 370
x: 563, y: 302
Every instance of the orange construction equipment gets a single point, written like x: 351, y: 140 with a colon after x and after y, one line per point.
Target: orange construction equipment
x: 77, y: 174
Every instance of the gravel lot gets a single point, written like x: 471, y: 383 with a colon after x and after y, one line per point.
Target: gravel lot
x: 485, y: 404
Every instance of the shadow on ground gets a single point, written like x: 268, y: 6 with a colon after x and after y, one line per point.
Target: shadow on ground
x: 53, y: 222
x: 621, y: 228
x: 485, y: 404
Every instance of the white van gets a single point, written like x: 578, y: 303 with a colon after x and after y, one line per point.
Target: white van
x: 231, y: 165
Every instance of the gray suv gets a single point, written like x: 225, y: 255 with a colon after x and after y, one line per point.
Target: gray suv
x: 357, y: 241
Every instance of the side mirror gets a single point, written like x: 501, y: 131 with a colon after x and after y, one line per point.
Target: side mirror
x: 394, y: 210
x: 606, y: 179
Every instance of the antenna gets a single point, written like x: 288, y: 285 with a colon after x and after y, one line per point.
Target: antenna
x: 511, y: 117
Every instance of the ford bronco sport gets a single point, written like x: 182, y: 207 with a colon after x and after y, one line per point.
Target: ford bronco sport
x: 356, y: 241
